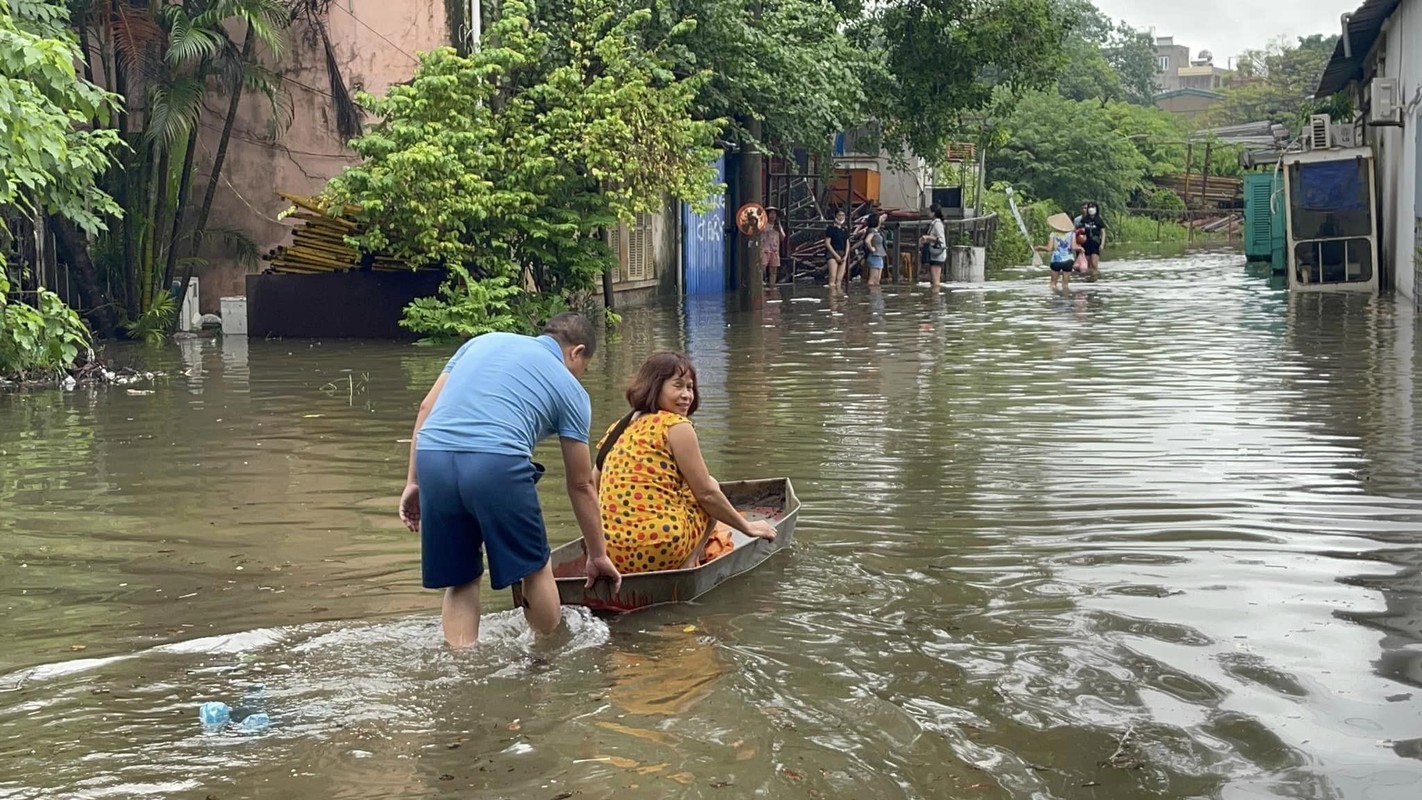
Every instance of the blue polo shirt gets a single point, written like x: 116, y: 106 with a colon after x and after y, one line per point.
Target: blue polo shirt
x: 504, y: 394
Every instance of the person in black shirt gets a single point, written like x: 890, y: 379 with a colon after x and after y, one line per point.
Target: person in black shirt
x: 1094, y: 226
x: 837, y: 250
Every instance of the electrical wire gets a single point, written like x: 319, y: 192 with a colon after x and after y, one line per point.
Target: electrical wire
x: 361, y: 22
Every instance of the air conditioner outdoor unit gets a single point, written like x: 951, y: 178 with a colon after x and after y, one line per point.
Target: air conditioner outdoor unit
x: 1344, y: 136
x: 1383, y: 97
x: 1320, y: 132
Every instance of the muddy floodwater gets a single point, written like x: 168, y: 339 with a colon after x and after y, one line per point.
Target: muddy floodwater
x: 1155, y: 540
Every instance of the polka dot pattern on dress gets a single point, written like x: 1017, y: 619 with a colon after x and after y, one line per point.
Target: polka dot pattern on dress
x: 649, y: 515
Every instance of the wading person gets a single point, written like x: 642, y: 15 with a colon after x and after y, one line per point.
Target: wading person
x: 874, y: 250
x: 837, y: 251
x: 935, y: 246
x: 771, y: 240
x: 1095, y: 227
x: 658, y: 500
x: 470, y: 484
x: 1061, y: 250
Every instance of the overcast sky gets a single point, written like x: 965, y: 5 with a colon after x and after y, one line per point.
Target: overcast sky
x: 1226, y: 27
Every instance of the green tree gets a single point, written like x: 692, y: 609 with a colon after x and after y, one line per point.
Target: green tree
x: 784, y: 63
x: 1131, y: 54
x: 946, y: 59
x: 1277, y: 84
x: 165, y: 60
x: 1158, y: 136
x: 1104, y: 59
x: 1068, y: 152
x: 505, y: 165
x: 50, y: 156
x: 41, y: 340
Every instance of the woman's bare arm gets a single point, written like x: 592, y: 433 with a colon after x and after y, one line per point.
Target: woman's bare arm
x: 686, y: 449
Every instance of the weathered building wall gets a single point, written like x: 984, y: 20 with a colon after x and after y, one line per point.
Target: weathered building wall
x: 375, y: 44
x: 648, y: 257
x: 1396, y: 148
x: 1188, y: 104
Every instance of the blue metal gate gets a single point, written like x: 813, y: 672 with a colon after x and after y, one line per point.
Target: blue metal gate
x: 703, y: 243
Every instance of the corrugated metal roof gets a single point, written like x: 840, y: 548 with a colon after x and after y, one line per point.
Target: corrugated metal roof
x: 1188, y: 91
x: 1363, y: 29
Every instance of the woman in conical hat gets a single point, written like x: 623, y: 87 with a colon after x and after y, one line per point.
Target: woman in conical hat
x: 1061, y: 249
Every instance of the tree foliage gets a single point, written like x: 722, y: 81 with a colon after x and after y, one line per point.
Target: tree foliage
x: 40, y: 340
x: 1277, y: 84
x: 948, y: 60
x: 50, y: 153
x: 1071, y: 151
x: 166, y: 61
x: 1068, y: 152
x: 505, y: 165
x: 785, y: 63
x: 1104, y: 59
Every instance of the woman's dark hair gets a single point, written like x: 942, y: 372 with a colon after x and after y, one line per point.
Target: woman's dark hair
x: 646, y: 385
x: 936, y: 210
x: 873, y: 221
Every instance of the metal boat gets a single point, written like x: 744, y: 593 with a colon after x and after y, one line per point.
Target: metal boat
x: 772, y: 499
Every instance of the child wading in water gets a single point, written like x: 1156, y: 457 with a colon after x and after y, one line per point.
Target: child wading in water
x: 1062, y: 249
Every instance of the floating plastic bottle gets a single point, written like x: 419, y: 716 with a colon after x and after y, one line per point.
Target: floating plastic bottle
x: 256, y: 723
x: 214, y: 716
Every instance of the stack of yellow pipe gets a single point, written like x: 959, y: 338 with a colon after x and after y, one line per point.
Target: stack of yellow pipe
x: 318, y: 244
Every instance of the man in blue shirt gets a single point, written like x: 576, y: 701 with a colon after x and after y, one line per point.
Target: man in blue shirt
x: 470, y: 484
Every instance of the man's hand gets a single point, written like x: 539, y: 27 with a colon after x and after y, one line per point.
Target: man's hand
x: 602, y: 567
x: 410, y: 507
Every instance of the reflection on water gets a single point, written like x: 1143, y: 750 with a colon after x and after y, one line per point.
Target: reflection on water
x: 1154, y: 539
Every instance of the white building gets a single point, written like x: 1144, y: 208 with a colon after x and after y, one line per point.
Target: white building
x: 1378, y: 62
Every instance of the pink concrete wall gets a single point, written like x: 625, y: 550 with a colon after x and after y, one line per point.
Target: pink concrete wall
x: 375, y: 42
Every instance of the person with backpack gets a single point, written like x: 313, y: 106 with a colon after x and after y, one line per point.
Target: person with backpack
x: 935, y: 246
x: 874, y: 249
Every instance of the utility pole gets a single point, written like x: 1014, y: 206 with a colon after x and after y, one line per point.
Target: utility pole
x: 751, y: 186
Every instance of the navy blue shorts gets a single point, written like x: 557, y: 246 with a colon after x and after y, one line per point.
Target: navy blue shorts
x: 473, y: 501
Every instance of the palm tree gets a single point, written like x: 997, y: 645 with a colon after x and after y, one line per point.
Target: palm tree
x: 200, y: 49
x: 165, y: 58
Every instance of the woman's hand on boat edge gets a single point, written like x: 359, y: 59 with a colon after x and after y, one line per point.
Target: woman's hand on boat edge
x: 761, y: 530
x: 602, y: 567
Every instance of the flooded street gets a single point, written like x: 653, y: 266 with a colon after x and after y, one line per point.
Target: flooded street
x: 1158, y: 539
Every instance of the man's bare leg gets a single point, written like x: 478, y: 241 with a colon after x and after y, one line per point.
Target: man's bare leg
x: 542, y: 608
x: 460, y: 614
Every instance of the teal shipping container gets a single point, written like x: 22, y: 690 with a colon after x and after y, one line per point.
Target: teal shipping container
x: 1264, y: 218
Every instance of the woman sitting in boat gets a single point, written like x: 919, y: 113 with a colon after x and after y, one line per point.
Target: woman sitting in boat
x: 657, y: 498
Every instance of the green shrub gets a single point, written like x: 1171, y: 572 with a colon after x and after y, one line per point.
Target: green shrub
x: 1166, y: 200
x: 505, y: 165
x: 1130, y: 229
x: 39, y: 341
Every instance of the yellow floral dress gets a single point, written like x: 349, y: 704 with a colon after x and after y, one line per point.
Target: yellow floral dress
x: 649, y: 515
